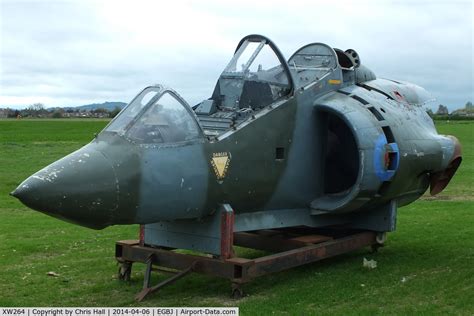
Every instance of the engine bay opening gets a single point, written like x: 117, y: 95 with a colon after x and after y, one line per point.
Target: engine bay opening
x: 344, y: 61
x: 341, y: 166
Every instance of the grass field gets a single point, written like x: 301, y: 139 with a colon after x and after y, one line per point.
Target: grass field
x: 427, y: 266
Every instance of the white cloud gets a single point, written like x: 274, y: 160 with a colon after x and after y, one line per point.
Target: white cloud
x: 66, y: 53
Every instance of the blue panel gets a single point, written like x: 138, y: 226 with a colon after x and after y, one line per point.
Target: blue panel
x: 383, y: 172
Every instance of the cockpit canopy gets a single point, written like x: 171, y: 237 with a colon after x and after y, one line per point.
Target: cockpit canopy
x: 311, y: 63
x: 256, y: 76
x: 156, y: 115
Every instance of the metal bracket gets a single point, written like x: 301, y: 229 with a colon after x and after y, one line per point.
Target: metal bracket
x: 147, y: 289
x: 212, y: 234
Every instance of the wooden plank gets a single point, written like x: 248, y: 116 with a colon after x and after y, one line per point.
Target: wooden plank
x: 239, y: 261
x: 128, y: 242
x: 267, y: 243
x: 312, y: 239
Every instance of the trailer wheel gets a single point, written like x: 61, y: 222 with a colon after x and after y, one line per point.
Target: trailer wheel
x: 125, y: 271
x: 381, y: 238
x: 237, y: 292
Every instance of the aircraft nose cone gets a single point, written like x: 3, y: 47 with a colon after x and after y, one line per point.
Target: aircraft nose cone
x: 80, y: 188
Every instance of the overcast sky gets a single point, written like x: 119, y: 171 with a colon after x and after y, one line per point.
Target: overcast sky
x: 68, y: 53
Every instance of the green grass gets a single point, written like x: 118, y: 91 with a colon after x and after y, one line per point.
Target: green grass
x: 427, y: 266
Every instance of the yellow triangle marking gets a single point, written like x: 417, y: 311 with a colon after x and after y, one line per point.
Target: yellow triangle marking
x: 220, y: 165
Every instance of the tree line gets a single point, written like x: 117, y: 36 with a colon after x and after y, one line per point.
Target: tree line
x: 466, y: 113
x: 38, y: 110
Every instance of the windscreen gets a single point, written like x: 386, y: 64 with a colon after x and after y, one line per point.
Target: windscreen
x: 166, y: 120
x: 124, y: 118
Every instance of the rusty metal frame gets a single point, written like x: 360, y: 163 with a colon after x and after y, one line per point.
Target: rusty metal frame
x: 290, y: 251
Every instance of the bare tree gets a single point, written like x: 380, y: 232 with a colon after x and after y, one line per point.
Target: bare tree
x: 442, y: 110
x: 37, y: 107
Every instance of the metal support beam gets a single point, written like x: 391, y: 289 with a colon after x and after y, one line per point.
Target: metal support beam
x: 148, y: 290
x: 293, y: 249
x: 296, y: 257
x: 227, y: 231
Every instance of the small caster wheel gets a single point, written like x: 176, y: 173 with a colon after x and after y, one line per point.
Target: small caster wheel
x: 125, y: 271
x: 237, y: 292
x: 380, y: 238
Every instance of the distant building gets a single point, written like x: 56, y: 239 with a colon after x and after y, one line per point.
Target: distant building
x: 86, y: 114
x: 468, y: 110
x: 463, y: 112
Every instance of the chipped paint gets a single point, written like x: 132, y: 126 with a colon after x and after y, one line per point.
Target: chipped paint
x: 251, y: 130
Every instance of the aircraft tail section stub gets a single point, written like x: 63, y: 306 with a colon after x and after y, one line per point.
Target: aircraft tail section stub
x: 439, y: 180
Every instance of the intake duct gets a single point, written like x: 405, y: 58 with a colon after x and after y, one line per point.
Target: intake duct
x: 359, y: 156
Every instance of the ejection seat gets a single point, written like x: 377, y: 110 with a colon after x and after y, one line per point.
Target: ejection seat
x: 255, y: 94
x: 256, y: 77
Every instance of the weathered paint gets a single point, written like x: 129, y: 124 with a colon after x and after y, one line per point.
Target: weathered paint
x: 265, y: 159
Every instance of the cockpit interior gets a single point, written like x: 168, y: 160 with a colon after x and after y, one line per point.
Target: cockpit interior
x: 256, y: 77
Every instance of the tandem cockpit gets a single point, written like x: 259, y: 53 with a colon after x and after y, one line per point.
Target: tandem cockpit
x: 257, y: 77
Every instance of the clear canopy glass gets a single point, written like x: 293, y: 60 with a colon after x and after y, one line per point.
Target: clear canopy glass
x: 125, y: 117
x: 157, y: 116
x: 254, y: 77
x: 256, y: 61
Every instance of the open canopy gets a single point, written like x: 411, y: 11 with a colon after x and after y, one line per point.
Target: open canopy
x: 256, y: 76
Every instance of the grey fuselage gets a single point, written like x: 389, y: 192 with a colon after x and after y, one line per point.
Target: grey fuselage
x: 330, y: 138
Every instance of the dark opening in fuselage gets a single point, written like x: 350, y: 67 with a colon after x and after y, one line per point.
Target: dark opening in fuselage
x: 342, y: 158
